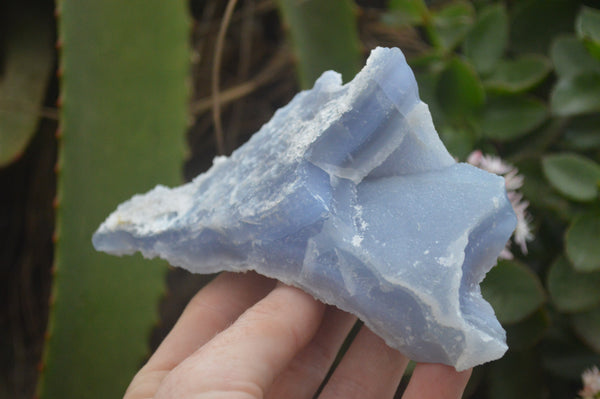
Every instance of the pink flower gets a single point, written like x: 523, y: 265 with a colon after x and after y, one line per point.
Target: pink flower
x: 591, y: 384
x: 513, y: 181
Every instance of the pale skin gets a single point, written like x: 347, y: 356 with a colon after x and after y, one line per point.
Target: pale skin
x: 247, y: 337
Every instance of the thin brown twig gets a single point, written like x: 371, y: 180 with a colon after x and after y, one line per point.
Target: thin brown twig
x: 245, y: 52
x: 261, y: 7
x: 216, y: 76
x: 281, y: 59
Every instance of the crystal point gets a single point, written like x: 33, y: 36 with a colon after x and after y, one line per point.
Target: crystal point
x: 349, y: 194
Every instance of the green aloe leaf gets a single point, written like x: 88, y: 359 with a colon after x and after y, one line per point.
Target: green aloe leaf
x: 513, y: 290
x: 324, y: 35
x: 583, y: 245
x: 486, y: 42
x: 570, y: 290
x: 24, y: 73
x: 506, y: 118
x: 573, y: 175
x: 459, y: 91
x: 519, y: 75
x: 576, y: 95
x: 587, y: 26
x: 452, y: 23
x: 123, y: 121
x: 570, y: 57
x: 587, y: 327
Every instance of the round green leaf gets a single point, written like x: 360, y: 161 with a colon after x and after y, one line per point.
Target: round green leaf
x: 587, y: 327
x: 520, y: 74
x: 572, y: 291
x: 583, y: 133
x: 570, y: 57
x: 513, y: 290
x: 460, y: 142
x: 505, y: 118
x: 539, y: 192
x: 575, y: 95
x: 583, y: 246
x: 427, y: 82
x: 587, y: 26
x: 516, y: 375
x: 459, y: 91
x: 486, y: 42
x: 405, y: 12
x: 528, y: 332
x: 565, y: 356
x: 534, y: 23
x: 452, y: 23
x: 573, y: 175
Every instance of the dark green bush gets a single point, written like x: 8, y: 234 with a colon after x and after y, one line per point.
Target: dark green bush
x: 521, y: 80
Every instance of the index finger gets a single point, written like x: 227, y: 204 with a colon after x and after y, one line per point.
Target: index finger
x: 436, y: 381
x: 211, y: 310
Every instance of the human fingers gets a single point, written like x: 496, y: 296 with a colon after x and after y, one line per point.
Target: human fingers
x: 243, y: 360
x: 305, y: 373
x: 370, y: 369
x: 211, y: 310
x: 436, y: 381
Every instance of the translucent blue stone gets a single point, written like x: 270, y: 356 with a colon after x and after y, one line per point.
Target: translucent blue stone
x: 349, y: 194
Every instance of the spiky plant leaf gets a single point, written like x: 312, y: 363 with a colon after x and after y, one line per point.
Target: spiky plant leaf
x: 123, y: 118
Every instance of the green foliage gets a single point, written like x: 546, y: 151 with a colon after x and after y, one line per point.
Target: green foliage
x: 571, y: 290
x: 507, y: 117
x: 588, y: 29
x: 587, y: 326
x: 535, y: 23
x: 528, y: 332
x: 577, y: 94
x: 27, y: 65
x: 582, y: 133
x: 516, y: 375
x: 451, y: 23
x: 513, y: 290
x: 571, y: 58
x: 486, y: 42
x: 122, y: 120
x: 459, y: 91
x: 324, y: 35
x: 519, y: 75
x: 522, y: 80
x: 583, y: 242
x: 573, y: 175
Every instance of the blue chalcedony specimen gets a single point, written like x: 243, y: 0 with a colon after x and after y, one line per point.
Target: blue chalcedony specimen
x: 349, y: 194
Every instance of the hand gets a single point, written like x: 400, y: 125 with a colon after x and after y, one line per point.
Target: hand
x: 243, y: 337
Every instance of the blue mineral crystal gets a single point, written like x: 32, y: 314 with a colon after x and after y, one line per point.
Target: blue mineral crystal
x: 349, y: 194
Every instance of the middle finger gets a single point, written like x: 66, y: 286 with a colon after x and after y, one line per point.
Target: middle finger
x: 306, y: 371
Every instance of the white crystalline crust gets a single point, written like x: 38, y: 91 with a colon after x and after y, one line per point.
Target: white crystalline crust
x: 349, y: 194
